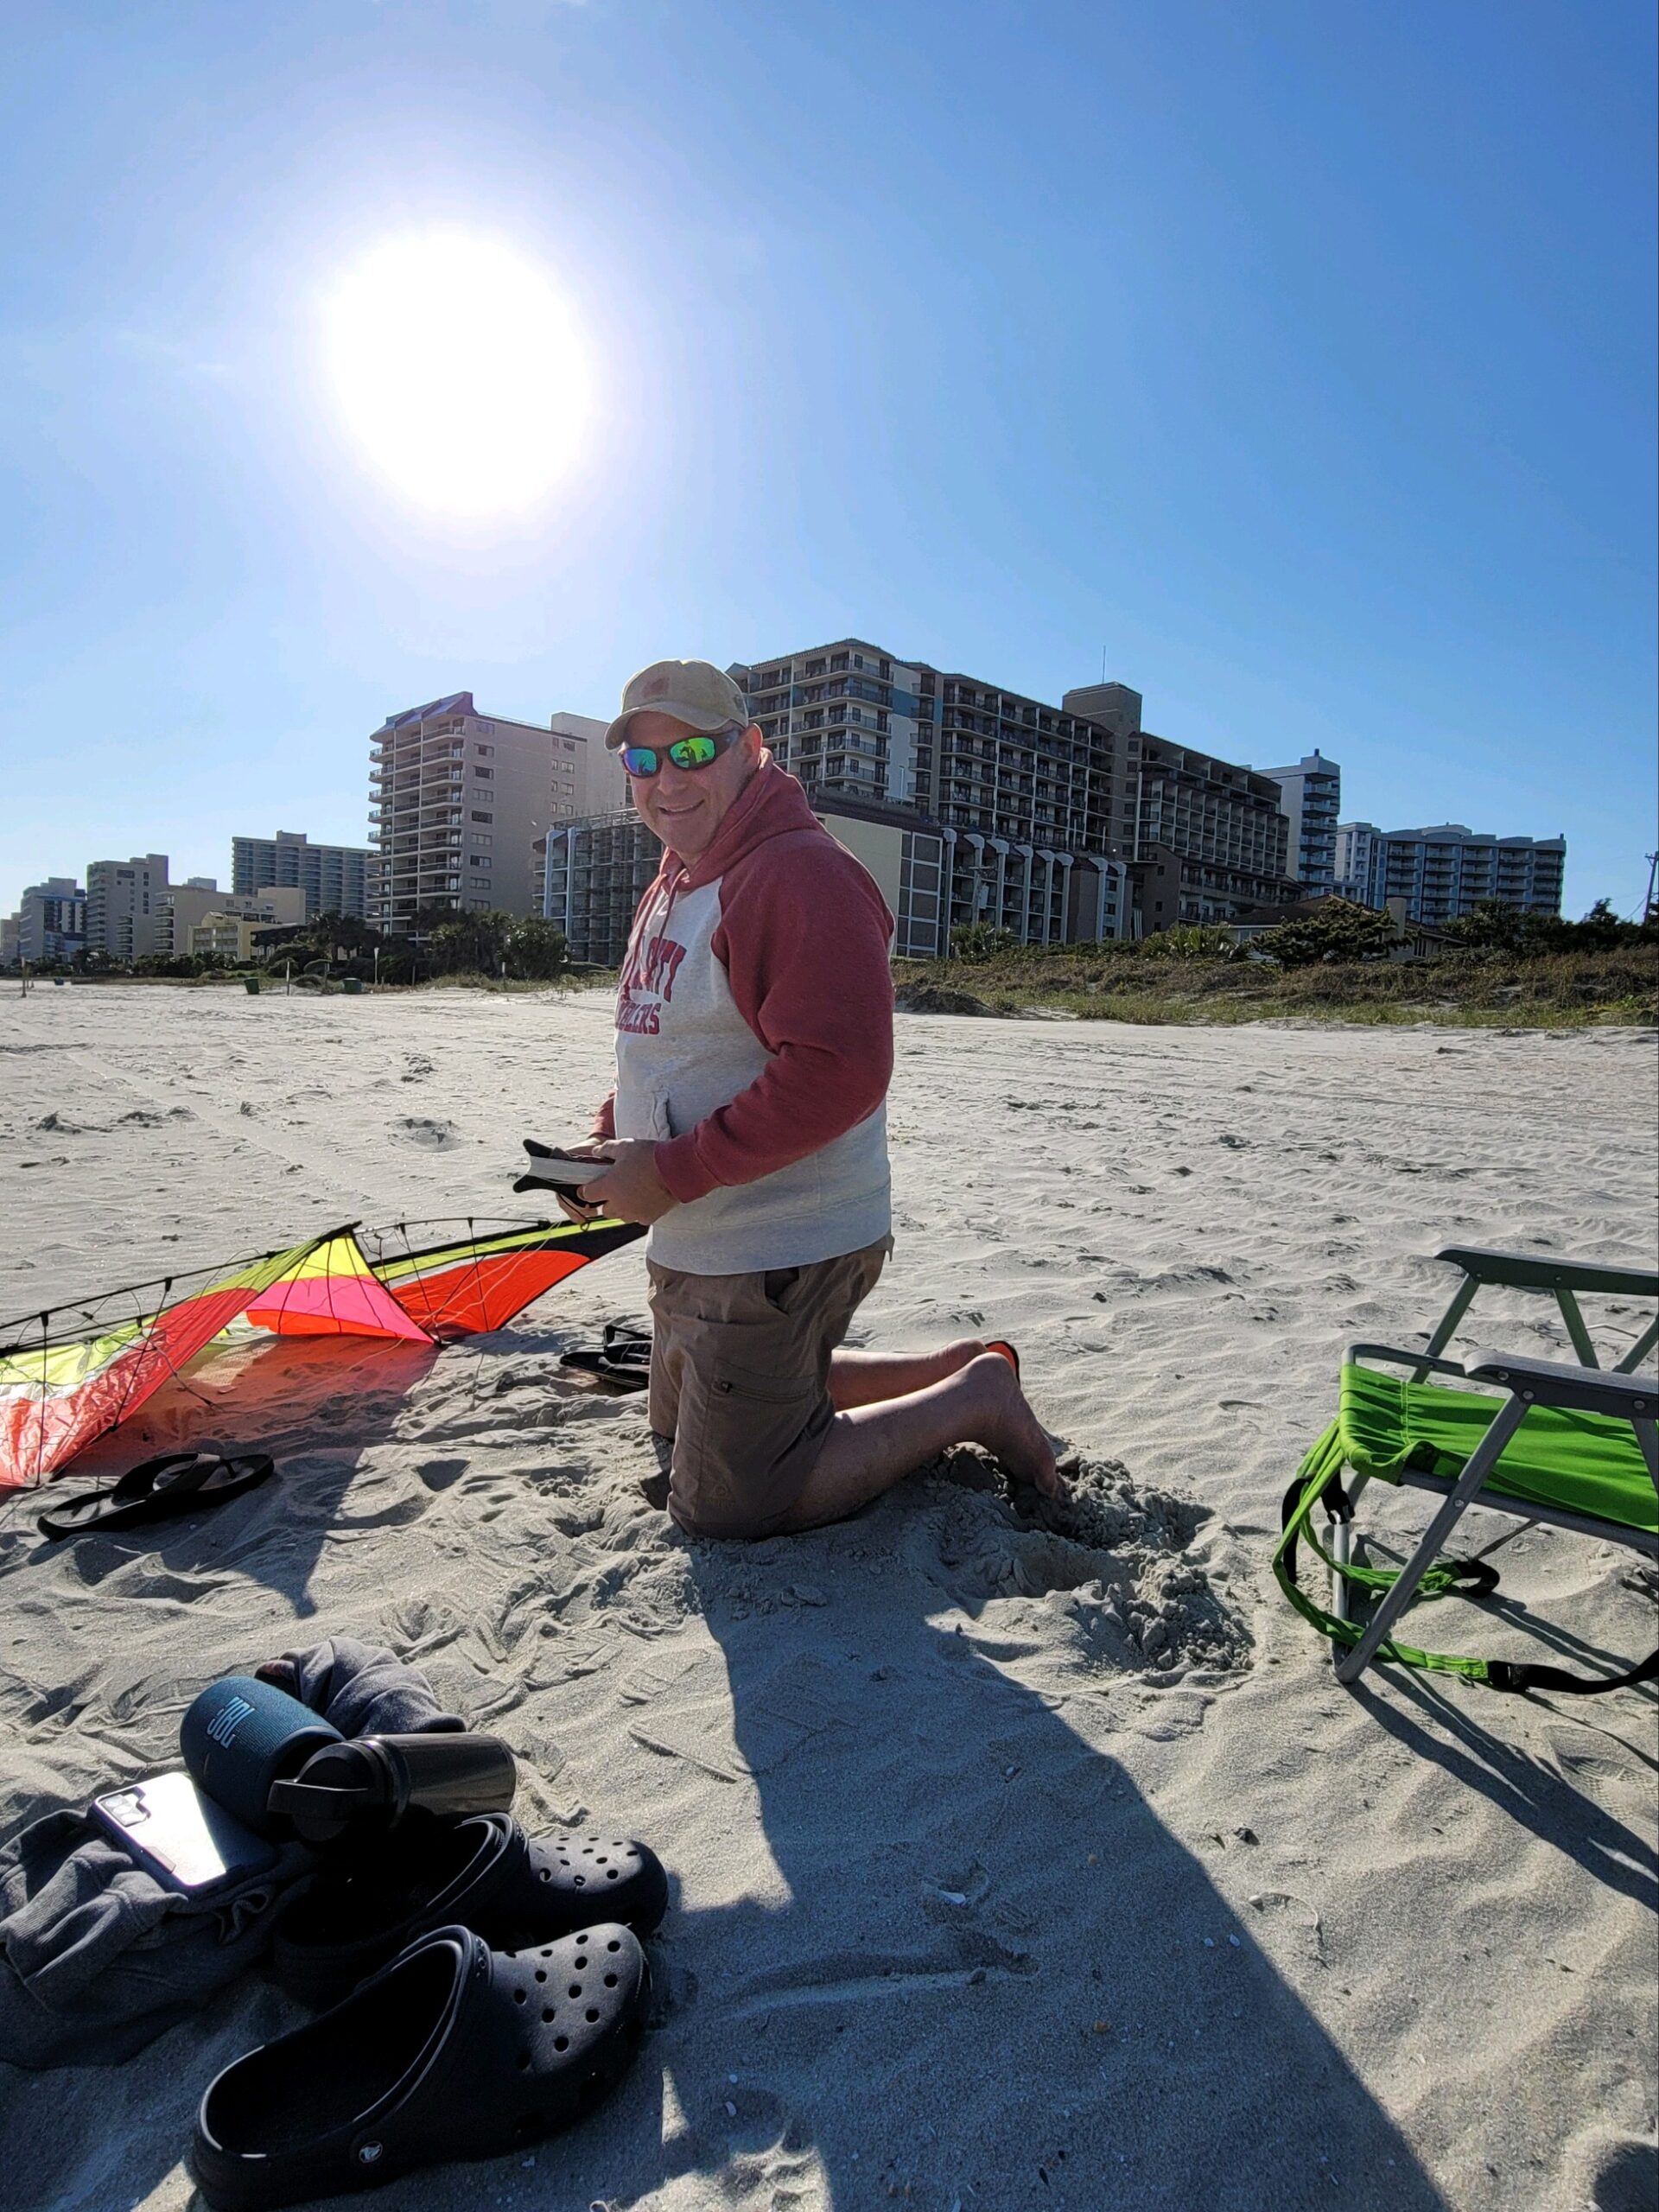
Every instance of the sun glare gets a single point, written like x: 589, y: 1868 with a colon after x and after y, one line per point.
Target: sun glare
x: 458, y: 368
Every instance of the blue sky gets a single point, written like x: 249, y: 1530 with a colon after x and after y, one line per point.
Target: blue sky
x: 1301, y: 356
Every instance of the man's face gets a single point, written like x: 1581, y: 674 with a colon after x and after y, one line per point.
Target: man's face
x: 685, y: 806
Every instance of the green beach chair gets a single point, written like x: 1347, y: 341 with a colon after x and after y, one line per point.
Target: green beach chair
x: 1571, y: 1447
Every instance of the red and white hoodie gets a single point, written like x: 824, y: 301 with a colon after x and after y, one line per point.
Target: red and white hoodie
x: 754, y: 1042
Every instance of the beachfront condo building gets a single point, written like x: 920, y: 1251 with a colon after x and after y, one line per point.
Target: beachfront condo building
x: 52, y: 919
x: 188, y: 906
x: 50, y: 924
x: 1309, y: 800
x: 596, y: 871
x: 334, y: 878
x: 461, y: 804
x: 126, y: 915
x: 1022, y: 795
x: 1210, y: 835
x: 226, y: 932
x: 1448, y: 870
x: 1358, y: 852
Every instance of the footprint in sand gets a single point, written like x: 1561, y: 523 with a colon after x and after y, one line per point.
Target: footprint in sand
x: 1614, y: 2172
x: 438, y: 1474
x: 1618, y: 1783
x: 431, y: 1137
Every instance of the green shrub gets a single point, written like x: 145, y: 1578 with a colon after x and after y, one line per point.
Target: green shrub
x: 978, y: 942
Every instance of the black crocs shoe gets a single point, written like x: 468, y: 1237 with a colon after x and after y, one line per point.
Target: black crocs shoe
x: 483, y: 1873
x: 454, y: 2051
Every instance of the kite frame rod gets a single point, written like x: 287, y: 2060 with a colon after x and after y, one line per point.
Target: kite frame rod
x: 43, y: 1314
x: 482, y: 1222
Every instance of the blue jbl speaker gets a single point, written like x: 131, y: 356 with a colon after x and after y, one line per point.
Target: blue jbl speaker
x: 242, y: 1735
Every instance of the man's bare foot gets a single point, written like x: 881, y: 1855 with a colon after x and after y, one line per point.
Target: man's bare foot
x: 1005, y: 1425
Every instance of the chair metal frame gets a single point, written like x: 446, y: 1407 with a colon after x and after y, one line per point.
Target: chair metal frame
x: 1586, y: 1388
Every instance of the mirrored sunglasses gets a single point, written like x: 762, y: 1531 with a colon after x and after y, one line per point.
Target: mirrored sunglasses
x: 685, y: 753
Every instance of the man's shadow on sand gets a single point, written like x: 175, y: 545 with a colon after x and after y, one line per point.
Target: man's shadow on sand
x: 1040, y: 1997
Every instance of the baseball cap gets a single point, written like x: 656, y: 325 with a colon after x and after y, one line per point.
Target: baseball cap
x: 694, y: 692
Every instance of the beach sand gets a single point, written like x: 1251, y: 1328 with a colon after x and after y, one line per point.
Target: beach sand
x: 1012, y: 1868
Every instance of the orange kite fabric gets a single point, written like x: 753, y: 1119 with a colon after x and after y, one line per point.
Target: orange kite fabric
x: 467, y: 1287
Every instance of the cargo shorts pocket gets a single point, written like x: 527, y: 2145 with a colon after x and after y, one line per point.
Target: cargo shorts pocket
x: 746, y: 1440
x: 727, y: 1381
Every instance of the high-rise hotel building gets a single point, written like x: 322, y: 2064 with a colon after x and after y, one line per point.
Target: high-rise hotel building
x: 459, y: 803
x: 334, y: 878
x: 1446, y: 871
x: 1019, y: 793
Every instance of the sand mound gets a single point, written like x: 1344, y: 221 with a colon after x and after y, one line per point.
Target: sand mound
x: 1113, y: 1560
x: 934, y: 998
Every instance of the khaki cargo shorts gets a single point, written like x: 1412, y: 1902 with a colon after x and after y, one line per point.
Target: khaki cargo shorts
x: 739, y: 1371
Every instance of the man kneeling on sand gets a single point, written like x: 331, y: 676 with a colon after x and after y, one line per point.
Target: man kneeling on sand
x: 748, y: 1128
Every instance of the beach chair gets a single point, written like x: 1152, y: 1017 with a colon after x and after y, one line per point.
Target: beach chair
x: 1571, y: 1447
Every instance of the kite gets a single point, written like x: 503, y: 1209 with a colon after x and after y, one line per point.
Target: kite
x: 71, y: 1374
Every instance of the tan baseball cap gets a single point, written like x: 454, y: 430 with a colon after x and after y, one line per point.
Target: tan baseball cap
x: 694, y: 692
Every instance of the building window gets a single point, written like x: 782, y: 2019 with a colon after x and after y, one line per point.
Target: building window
x: 486, y: 772
x: 477, y: 817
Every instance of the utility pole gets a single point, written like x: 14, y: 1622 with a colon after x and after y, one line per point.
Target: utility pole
x: 1649, y: 910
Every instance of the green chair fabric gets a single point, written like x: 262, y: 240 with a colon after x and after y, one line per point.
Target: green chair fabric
x: 1387, y: 1427
x: 1588, y: 1463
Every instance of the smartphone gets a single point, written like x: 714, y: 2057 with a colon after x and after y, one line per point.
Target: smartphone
x: 188, y: 1843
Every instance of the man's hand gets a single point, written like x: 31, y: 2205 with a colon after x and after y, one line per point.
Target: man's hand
x: 567, y: 1201
x: 630, y: 1189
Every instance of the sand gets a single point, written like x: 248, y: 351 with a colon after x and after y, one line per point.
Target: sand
x: 1015, y: 1866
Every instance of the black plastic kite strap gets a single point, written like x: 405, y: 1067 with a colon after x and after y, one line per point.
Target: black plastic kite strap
x: 1333, y: 1497
x: 1522, y: 1675
x: 1469, y: 1578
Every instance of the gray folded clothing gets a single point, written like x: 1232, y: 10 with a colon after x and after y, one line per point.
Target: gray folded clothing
x: 97, y: 1959
x: 360, y: 1689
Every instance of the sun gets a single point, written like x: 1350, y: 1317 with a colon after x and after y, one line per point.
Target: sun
x: 458, y: 368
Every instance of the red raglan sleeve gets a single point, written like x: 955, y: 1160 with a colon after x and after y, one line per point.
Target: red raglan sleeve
x: 604, y: 1124
x: 803, y: 937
